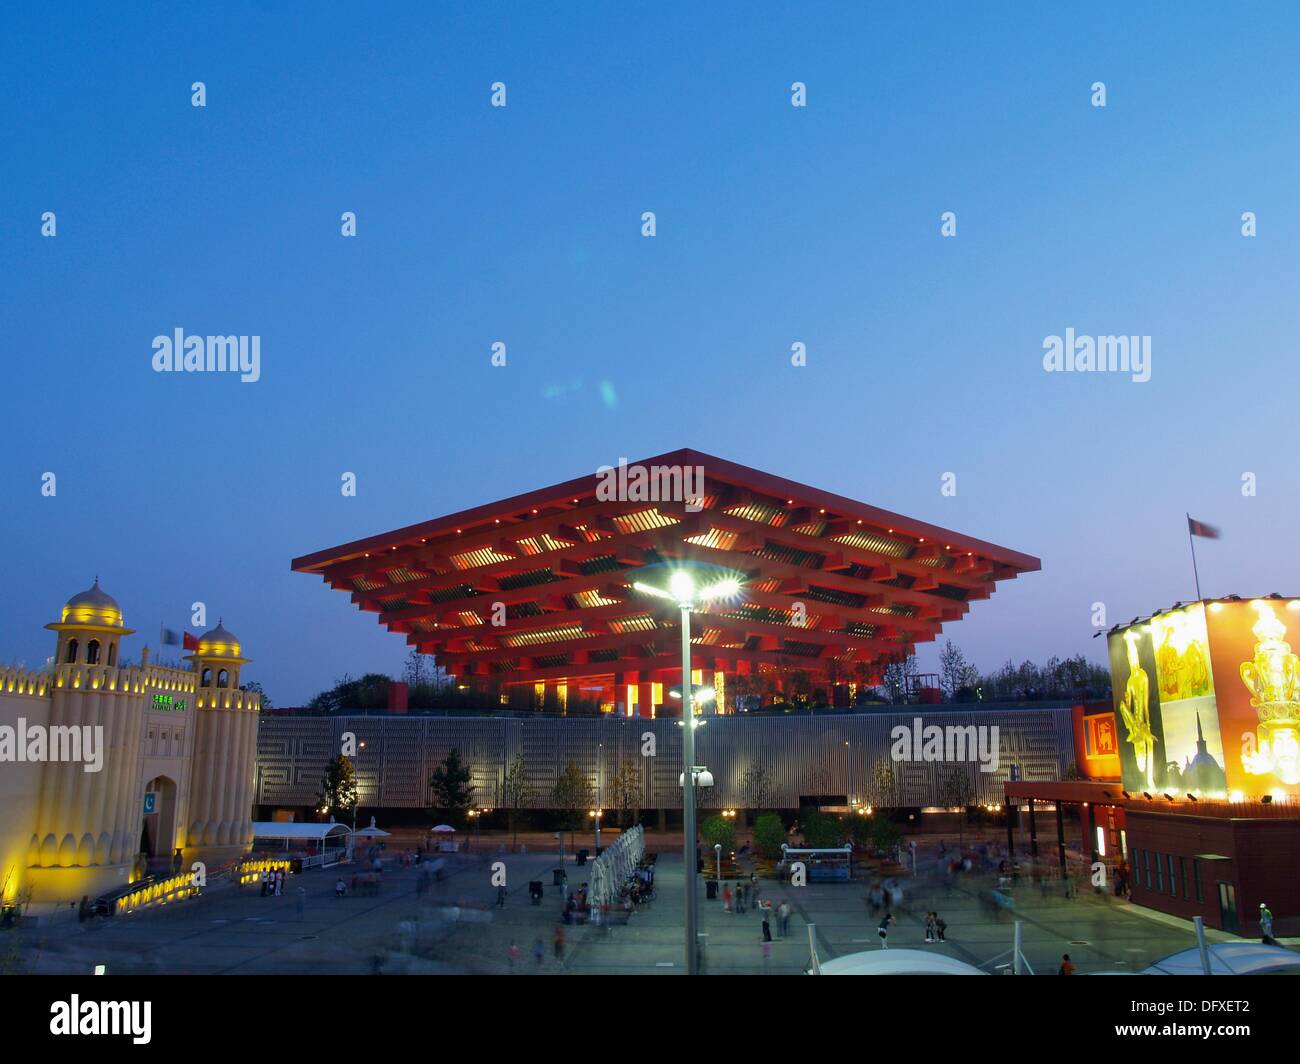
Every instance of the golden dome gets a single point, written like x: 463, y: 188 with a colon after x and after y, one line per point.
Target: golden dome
x: 218, y: 643
x: 94, y: 607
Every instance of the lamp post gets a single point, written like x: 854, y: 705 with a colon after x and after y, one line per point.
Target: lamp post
x: 681, y: 589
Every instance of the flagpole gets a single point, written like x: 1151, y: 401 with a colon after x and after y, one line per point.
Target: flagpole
x: 1191, y: 541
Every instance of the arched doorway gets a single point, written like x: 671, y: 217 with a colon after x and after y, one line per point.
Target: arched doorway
x: 158, y: 828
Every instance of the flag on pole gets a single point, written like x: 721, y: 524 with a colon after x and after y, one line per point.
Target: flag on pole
x: 1200, y: 528
x: 170, y: 637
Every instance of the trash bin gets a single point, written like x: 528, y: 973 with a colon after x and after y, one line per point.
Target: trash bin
x: 582, y: 857
x: 558, y: 877
x: 711, y: 889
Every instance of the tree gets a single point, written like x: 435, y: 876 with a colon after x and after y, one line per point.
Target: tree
x: 718, y: 831
x: 901, y: 678
x: 572, y: 795
x: 821, y: 831
x: 369, y: 692
x: 885, y: 835
x: 882, y: 786
x: 955, y: 789
x: 452, y: 790
x: 756, y: 786
x: 769, y: 834
x: 625, y: 789
x: 518, y: 793
x: 256, y: 689
x: 338, y: 787
x: 955, y: 672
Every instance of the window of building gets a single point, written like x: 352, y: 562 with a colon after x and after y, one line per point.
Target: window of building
x: 1160, y: 875
x: 1146, y: 865
x: 1196, y: 879
x: 1173, y: 877
x: 206, y: 678
x: 1182, y: 874
x: 72, y: 652
x: 112, y: 653
x: 223, y: 680
x: 92, y: 652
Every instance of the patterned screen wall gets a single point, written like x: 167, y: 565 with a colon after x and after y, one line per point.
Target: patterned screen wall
x: 831, y: 756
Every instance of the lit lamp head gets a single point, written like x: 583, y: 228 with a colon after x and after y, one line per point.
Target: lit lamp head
x: 689, y: 586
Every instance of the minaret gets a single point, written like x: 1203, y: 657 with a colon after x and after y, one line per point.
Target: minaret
x: 85, y: 818
x: 225, y: 746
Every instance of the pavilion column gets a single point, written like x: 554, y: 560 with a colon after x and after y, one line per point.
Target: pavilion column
x: 1013, y: 815
x: 645, y: 693
x: 1033, y: 831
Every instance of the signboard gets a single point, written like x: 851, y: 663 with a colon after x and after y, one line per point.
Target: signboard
x: 150, y: 802
x: 168, y: 704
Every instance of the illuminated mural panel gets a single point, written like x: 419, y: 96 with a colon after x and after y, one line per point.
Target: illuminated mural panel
x: 1208, y: 703
x: 1259, y: 691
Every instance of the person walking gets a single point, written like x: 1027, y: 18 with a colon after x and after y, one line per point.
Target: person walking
x: 512, y: 954
x: 539, y: 952
x: 883, y: 930
x: 940, y: 926
x: 726, y: 898
x: 1266, y: 925
x: 784, y: 915
x: 501, y: 896
x: 558, y: 944
x: 1067, y: 968
x: 767, y: 929
x: 929, y: 928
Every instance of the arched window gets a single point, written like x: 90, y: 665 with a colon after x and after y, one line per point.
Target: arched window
x: 206, y: 678
x: 92, y: 652
x: 223, y: 679
x: 112, y: 653
x: 72, y: 651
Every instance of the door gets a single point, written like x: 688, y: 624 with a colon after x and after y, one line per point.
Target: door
x: 1228, y: 907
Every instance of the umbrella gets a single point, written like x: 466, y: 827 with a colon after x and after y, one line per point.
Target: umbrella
x: 443, y: 829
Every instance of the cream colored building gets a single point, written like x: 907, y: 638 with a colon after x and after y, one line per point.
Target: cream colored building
x: 176, y: 750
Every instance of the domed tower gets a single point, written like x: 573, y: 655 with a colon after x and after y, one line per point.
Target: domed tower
x: 90, y: 629
x: 225, y: 747
x: 217, y: 660
x: 88, y: 819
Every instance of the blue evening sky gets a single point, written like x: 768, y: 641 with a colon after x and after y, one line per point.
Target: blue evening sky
x: 522, y: 224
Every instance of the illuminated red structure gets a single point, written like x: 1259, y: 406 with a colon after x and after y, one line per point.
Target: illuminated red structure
x: 537, y: 589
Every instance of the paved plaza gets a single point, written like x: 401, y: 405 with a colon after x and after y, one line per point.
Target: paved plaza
x: 455, y: 927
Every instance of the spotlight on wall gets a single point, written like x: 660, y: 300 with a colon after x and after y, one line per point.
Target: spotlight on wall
x: 1191, y: 797
x: 1146, y: 796
x: 1126, y: 794
x: 1266, y: 799
x: 1169, y: 797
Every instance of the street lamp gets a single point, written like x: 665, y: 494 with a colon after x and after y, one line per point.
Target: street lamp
x: 682, y: 589
x: 595, y: 815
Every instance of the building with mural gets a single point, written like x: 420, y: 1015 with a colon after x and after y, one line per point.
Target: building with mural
x: 1190, y: 780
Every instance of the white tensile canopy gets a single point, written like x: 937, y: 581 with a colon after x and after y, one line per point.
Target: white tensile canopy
x: 897, y: 962
x: 1227, y: 958
x: 443, y: 829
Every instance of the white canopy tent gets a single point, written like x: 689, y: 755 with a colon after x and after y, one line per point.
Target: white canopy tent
x: 1227, y: 958
x: 316, y: 844
x: 897, y: 962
